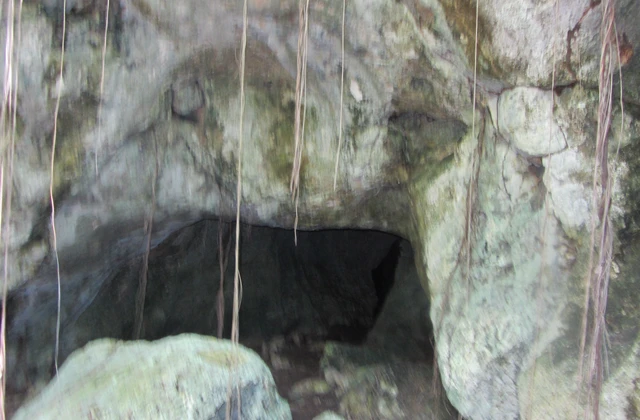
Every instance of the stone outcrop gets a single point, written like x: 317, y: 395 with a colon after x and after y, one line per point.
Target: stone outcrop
x: 186, y: 376
x: 497, y: 200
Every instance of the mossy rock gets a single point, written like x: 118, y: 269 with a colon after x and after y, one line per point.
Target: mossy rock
x: 186, y: 376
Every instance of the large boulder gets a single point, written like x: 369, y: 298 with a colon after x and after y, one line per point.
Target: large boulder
x: 186, y: 377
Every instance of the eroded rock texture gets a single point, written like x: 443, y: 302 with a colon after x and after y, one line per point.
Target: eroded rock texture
x: 184, y: 376
x: 497, y: 201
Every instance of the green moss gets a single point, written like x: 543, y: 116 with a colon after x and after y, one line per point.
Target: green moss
x: 269, y: 103
x: 631, y: 190
x: 359, y: 122
x: 623, y: 311
x: 424, y: 175
x: 278, y: 144
x: 223, y: 358
x: 461, y: 16
x: 71, y: 125
x: 279, y: 149
x: 633, y: 406
x: 148, y: 12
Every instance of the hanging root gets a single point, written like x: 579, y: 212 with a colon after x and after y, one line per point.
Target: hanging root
x: 300, y: 107
x: 237, y: 280
x: 142, y: 283
x: 223, y: 258
x: 7, y: 148
x: 601, y: 249
x: 54, y: 237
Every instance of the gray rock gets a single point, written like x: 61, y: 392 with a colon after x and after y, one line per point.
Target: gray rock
x: 502, y: 232
x: 188, y: 98
x: 370, y: 387
x: 54, y: 8
x: 328, y: 415
x: 186, y: 376
x: 526, y: 120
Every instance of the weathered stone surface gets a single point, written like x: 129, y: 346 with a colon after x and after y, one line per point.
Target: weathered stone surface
x: 188, y: 99
x: 526, y: 121
x: 404, y: 329
x: 496, y: 200
x: 309, y: 387
x: 328, y: 415
x: 521, y: 256
x: 371, y: 387
x: 187, y: 376
x: 572, y: 203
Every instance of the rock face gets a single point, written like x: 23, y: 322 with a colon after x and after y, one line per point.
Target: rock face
x: 186, y: 376
x: 499, y: 200
x: 369, y: 387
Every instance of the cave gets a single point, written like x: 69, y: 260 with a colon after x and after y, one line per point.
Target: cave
x: 299, y: 290
x: 437, y: 206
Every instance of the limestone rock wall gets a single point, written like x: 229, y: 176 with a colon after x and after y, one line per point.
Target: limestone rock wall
x: 497, y: 202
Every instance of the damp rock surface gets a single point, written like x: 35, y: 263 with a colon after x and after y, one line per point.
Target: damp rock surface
x: 371, y: 384
x: 186, y: 376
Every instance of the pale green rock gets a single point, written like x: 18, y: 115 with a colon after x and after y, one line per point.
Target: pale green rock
x: 310, y: 386
x: 526, y: 120
x: 328, y: 415
x: 186, y: 377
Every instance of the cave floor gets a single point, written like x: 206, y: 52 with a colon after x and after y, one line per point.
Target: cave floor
x: 295, y: 365
x: 356, y: 380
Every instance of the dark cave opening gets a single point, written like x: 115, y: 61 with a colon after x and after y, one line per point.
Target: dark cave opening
x: 383, y: 276
x: 357, y: 287
x: 333, y: 285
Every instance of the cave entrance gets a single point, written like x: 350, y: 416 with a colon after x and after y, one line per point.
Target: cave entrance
x: 354, y: 286
x: 338, y: 301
